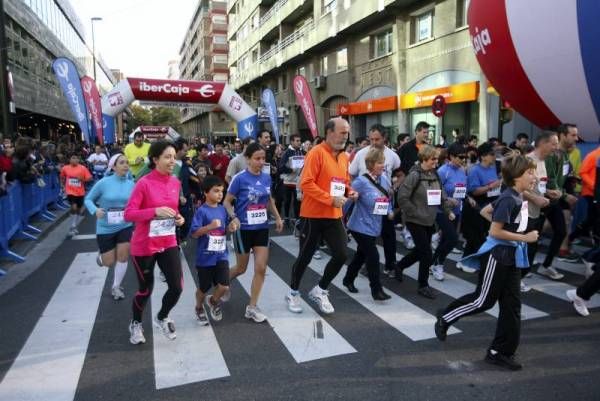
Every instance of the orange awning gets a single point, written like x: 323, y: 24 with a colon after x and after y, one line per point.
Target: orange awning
x: 389, y: 103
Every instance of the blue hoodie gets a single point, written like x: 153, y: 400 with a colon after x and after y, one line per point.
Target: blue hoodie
x: 111, y: 192
x: 362, y: 219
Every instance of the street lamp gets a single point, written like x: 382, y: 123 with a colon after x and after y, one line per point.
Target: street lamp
x: 94, y: 44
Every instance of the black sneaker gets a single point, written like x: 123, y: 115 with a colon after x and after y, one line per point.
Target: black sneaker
x: 426, y: 292
x: 569, y: 258
x: 506, y: 362
x: 441, y: 327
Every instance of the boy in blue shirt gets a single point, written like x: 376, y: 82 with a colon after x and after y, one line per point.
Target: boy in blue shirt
x: 208, y: 226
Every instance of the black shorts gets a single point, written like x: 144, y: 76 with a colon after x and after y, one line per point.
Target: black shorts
x: 213, y: 275
x: 245, y: 240
x: 108, y: 242
x: 76, y: 200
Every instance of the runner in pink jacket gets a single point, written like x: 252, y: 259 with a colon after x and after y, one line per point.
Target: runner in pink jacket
x: 153, y: 209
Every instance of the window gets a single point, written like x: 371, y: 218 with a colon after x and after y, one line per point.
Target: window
x: 462, y: 6
x: 220, y: 39
x: 220, y: 77
x: 220, y: 58
x: 255, y: 21
x: 342, y: 60
x: 329, y: 5
x: 323, y: 66
x: 383, y: 44
x: 254, y: 55
x: 422, y: 28
x: 219, y: 19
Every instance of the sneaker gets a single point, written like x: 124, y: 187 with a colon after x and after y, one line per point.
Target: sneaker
x: 216, y: 313
x: 466, y: 269
x: 321, y: 298
x: 390, y: 273
x: 589, y: 268
x: 435, y: 240
x: 117, y: 293
x: 456, y: 251
x: 550, y: 272
x: 293, y: 302
x: 438, y: 272
x: 578, y: 303
x: 569, y: 257
x: 254, y: 313
x: 99, y: 260
x: 507, y: 362
x: 441, y: 327
x: 317, y: 255
x: 166, y: 326
x: 524, y: 287
x: 426, y: 292
x: 201, y: 316
x: 226, y: 295
x: 323, y: 246
x: 136, y: 332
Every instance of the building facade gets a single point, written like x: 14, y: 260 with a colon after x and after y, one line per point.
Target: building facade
x: 38, y: 31
x: 373, y: 61
x: 203, y: 55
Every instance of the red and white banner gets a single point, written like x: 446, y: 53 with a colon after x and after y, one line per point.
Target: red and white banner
x: 92, y: 100
x: 303, y: 96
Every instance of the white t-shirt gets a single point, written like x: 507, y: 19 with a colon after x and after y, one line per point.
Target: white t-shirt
x: 94, y: 158
x: 358, y: 166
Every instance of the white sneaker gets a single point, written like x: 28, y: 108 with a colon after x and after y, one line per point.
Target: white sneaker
x: 167, y: 327
x: 321, y: 297
x: 464, y: 268
x: 99, y: 260
x: 317, y: 255
x: 578, y: 303
x: 117, y: 293
x: 435, y: 240
x: 524, y: 287
x: 438, y: 272
x: 254, y: 313
x: 226, y: 295
x: 588, y: 269
x: 550, y: 272
x: 293, y: 302
x: 136, y: 333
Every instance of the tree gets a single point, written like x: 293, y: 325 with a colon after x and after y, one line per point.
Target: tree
x: 139, y: 116
x: 166, y: 116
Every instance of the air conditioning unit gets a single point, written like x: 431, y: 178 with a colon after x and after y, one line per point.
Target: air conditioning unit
x: 320, y: 82
x: 283, y: 112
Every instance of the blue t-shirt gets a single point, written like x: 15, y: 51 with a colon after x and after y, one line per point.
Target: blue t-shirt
x: 453, y: 178
x: 203, y: 217
x: 252, y: 194
x: 480, y: 176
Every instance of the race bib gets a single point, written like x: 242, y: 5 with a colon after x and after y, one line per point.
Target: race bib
x: 434, y: 197
x: 216, y: 241
x: 566, y: 169
x: 492, y: 193
x: 460, y: 191
x: 266, y: 168
x: 337, y: 188
x: 162, y: 227
x: 115, y: 216
x: 381, y: 206
x: 542, y: 183
x: 74, y: 182
x: 523, y: 217
x: 256, y: 214
x: 99, y: 167
x: 297, y: 162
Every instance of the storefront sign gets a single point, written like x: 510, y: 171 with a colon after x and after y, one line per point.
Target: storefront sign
x: 459, y: 93
x: 389, y: 103
x: 438, y: 106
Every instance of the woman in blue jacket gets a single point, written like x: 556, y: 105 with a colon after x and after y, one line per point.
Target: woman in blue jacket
x: 373, y: 205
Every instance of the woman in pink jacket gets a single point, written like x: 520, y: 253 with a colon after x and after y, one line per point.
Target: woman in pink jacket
x: 153, y: 209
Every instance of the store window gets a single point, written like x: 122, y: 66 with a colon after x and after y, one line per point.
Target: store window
x: 342, y: 60
x: 422, y: 27
x: 462, y: 7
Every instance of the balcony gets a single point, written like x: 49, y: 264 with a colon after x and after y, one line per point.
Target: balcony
x: 218, y: 47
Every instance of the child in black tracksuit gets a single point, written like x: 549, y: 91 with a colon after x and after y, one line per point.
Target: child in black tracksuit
x: 500, y: 259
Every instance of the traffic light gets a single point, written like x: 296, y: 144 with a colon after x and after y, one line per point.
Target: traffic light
x: 506, y: 112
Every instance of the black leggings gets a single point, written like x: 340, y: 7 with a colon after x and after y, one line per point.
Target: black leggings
x: 449, y: 237
x: 555, y: 216
x: 366, y: 251
x: 421, y: 253
x: 169, y: 263
x: 334, y: 234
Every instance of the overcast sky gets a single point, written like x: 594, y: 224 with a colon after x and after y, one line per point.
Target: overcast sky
x: 139, y: 37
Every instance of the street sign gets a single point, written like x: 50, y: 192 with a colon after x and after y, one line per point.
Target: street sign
x: 438, y: 106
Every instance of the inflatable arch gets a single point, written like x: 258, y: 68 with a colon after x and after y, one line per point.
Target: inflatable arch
x: 179, y: 93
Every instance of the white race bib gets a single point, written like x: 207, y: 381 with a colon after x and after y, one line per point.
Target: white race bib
x: 337, y: 188
x: 566, y: 169
x: 492, y: 193
x: 381, y: 206
x: 74, y: 182
x: 523, y: 217
x: 542, y: 183
x: 115, y: 216
x: 256, y: 214
x: 460, y: 191
x: 162, y: 227
x: 297, y: 162
x: 266, y: 168
x: 216, y: 242
x: 434, y: 197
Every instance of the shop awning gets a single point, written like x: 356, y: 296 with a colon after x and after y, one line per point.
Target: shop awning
x: 389, y: 103
x: 466, y: 92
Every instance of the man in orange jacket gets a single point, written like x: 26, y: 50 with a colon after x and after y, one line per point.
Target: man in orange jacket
x: 326, y: 187
x: 589, y: 192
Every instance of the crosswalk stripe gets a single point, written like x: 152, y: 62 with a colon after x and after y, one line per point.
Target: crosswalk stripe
x: 457, y: 287
x: 295, y: 330
x: 410, y: 320
x: 557, y: 289
x: 83, y: 236
x: 50, y: 363
x: 195, y: 354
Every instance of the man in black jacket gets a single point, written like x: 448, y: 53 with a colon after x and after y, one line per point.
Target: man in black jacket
x: 409, y: 152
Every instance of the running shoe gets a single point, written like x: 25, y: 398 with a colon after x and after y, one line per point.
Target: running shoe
x: 466, y: 269
x: 216, y: 313
x: 166, y: 326
x: 578, y: 303
x: 254, y: 313
x: 226, y: 295
x: 506, y: 362
x: 524, y: 287
x: 589, y: 268
x: 117, y: 293
x: 201, y: 316
x: 457, y: 251
x: 569, y: 257
x: 321, y: 298
x: 441, y: 327
x: 550, y: 272
x: 99, y: 260
x: 317, y: 255
x: 438, y: 272
x: 136, y: 332
x: 293, y: 301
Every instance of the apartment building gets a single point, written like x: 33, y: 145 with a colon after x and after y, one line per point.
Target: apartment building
x: 372, y: 61
x: 203, y: 57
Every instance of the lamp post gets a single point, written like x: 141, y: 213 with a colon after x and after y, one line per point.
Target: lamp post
x: 94, y: 44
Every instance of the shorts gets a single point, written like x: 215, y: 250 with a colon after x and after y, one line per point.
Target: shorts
x: 108, y: 242
x: 76, y: 200
x: 245, y: 240
x: 213, y: 275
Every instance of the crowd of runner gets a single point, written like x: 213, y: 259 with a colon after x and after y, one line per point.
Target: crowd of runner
x: 489, y: 202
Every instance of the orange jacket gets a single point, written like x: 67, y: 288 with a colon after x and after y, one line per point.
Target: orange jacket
x: 321, y: 168
x: 588, y: 173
